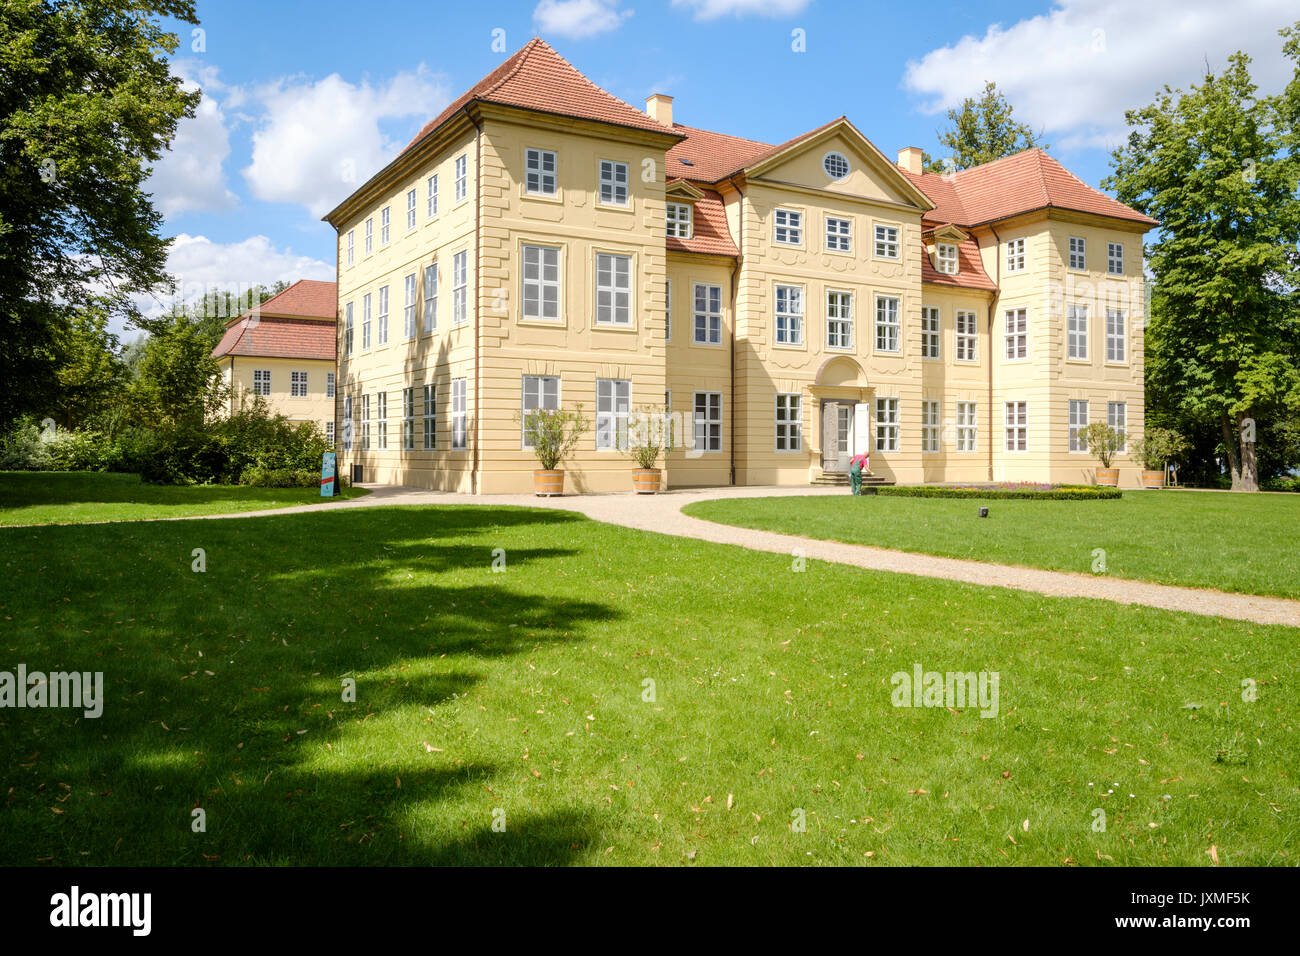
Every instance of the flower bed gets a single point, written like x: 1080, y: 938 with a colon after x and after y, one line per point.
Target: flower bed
x: 1024, y: 489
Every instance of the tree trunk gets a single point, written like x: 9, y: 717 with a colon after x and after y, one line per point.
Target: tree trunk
x: 1231, y: 444
x: 1249, y: 465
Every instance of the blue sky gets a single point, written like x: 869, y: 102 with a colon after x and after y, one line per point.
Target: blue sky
x: 296, y: 91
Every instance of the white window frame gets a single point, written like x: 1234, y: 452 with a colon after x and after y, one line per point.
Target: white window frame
x: 545, y: 260
x: 788, y: 316
x: 411, y: 200
x: 352, y: 246
x: 679, y: 220
x: 348, y: 425
x: 707, y: 320
x: 329, y: 433
x: 707, y: 421
x: 787, y: 227
x: 460, y: 288
x: 1015, y: 260
x: 261, y: 381
x: 461, y: 170
x: 538, y: 180
x: 839, y: 234
x: 367, y: 313
x: 1115, y: 258
x: 430, y: 297
x: 931, y: 332
x: 1078, y: 421
x: 347, y: 329
x: 945, y: 258
x: 1078, y: 254
x: 1117, y: 418
x: 459, y: 425
x: 381, y: 318
x: 429, y: 407
x: 887, y: 424
x: 385, y: 225
x: 788, y: 414
x: 408, y: 418
x: 668, y: 310
x: 886, y: 241
x: 613, y: 405
x: 1116, y: 337
x: 612, y: 192
x: 408, y: 306
x: 1016, y: 425
x: 1076, y: 332
x: 381, y: 418
x: 616, y: 288
x: 370, y: 235
x: 431, y: 197
x: 330, y: 385
x: 298, y: 384
x: 839, y: 319
x: 966, y: 343
x: 888, y: 324
x: 365, y: 422
x: 967, y: 426
x: 931, y: 412
x: 1016, y: 335
x: 540, y: 390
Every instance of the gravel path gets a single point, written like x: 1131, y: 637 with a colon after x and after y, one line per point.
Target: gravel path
x: 662, y: 513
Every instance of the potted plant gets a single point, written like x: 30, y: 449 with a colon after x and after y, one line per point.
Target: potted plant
x: 553, y: 434
x: 1104, y: 441
x: 1156, y: 446
x: 649, y: 435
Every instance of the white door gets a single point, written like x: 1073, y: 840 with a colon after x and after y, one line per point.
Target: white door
x: 861, y: 428
x: 844, y: 436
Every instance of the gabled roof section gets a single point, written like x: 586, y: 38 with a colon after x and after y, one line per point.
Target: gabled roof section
x: 708, y: 157
x: 537, y: 78
x: 308, y: 298
x: 710, y: 233
x: 1025, y: 182
x: 276, y: 337
x: 970, y: 269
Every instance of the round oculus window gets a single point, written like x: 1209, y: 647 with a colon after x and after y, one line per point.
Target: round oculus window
x: 836, y: 166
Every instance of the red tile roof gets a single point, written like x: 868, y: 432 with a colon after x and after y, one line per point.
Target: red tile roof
x: 710, y: 157
x: 306, y: 297
x: 537, y: 78
x: 970, y: 269
x: 710, y: 233
x: 275, y: 337
x: 1025, y: 182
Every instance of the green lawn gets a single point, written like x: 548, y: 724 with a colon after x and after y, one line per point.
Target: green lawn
x: 523, y: 693
x: 1233, y: 542
x: 63, y: 497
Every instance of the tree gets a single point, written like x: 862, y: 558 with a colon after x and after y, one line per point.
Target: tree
x: 91, y: 373
x: 177, y: 380
x: 87, y: 103
x: 982, y: 130
x: 1218, y: 167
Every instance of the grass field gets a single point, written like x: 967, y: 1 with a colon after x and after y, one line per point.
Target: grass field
x: 521, y: 698
x: 1233, y: 542
x: 59, y: 497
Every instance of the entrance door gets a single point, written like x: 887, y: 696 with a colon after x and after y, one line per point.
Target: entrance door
x: 844, y: 436
x: 841, y: 428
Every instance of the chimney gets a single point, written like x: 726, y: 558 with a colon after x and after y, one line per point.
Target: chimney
x: 909, y: 158
x: 659, y: 108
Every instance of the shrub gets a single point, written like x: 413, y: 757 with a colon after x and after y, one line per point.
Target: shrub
x: 1040, y: 493
x: 554, y: 433
x: 23, y: 449
x: 255, y: 476
x: 1282, y: 483
x: 649, y: 435
x: 1103, y: 441
x: 1157, y: 446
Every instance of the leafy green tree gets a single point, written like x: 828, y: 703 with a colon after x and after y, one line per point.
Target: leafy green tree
x: 92, y: 375
x: 982, y: 130
x: 1218, y: 166
x: 87, y: 103
x: 177, y: 380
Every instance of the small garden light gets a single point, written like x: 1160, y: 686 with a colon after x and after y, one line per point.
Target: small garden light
x: 984, y: 512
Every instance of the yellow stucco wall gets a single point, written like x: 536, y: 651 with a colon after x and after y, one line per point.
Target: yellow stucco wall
x: 237, y: 371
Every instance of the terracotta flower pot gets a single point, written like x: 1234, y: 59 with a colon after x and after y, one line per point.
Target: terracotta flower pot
x: 646, y: 481
x: 548, y: 482
x: 1153, y: 479
x: 1108, y: 476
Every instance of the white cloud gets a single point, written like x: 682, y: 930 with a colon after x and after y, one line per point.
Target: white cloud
x: 318, y: 141
x: 1073, y: 72
x: 713, y: 9
x: 200, y: 265
x: 191, y: 176
x: 579, y: 19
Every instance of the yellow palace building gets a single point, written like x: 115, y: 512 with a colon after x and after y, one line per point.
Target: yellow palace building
x: 542, y: 243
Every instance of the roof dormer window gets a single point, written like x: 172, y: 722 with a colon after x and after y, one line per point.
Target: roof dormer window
x: 679, y: 220
x: 945, y: 257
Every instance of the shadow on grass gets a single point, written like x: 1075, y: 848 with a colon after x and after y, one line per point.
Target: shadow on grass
x: 225, y: 689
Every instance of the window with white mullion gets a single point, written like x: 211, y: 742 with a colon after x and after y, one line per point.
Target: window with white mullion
x: 347, y: 329
x: 1078, y: 253
x: 1015, y: 255
x: 946, y: 258
x: 1076, y: 332
x: 887, y: 324
x: 613, y: 289
x: 967, y: 337
x: 1116, y: 338
x: 408, y: 418
x: 886, y: 424
x: 462, y: 177
x: 1115, y: 258
x: 886, y: 246
x: 297, y: 384
x: 385, y: 225
x: 1078, y: 422
x: 678, y: 217
x: 460, y: 288
x: 365, y: 422
x: 787, y: 228
x: 365, y: 321
x: 613, y: 183
x: 708, y: 314
x: 540, y: 391
x: 708, y: 421
x: 839, y: 234
x: 613, y: 403
x: 930, y: 410
x: 789, y: 422
x: 539, y: 172
x: 410, y: 209
x: 459, y: 429
x: 789, y: 315
x: 381, y: 417
x: 430, y: 297
x: 261, y: 381
x: 1017, y: 426
x: 1117, y: 418
x: 541, y: 282
x: 839, y: 320
x: 381, y: 323
x: 430, y: 416
x: 431, y: 197
x: 931, y: 339
x: 967, y: 426
x: 370, y: 235
x: 1017, y: 334
x: 408, y: 307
